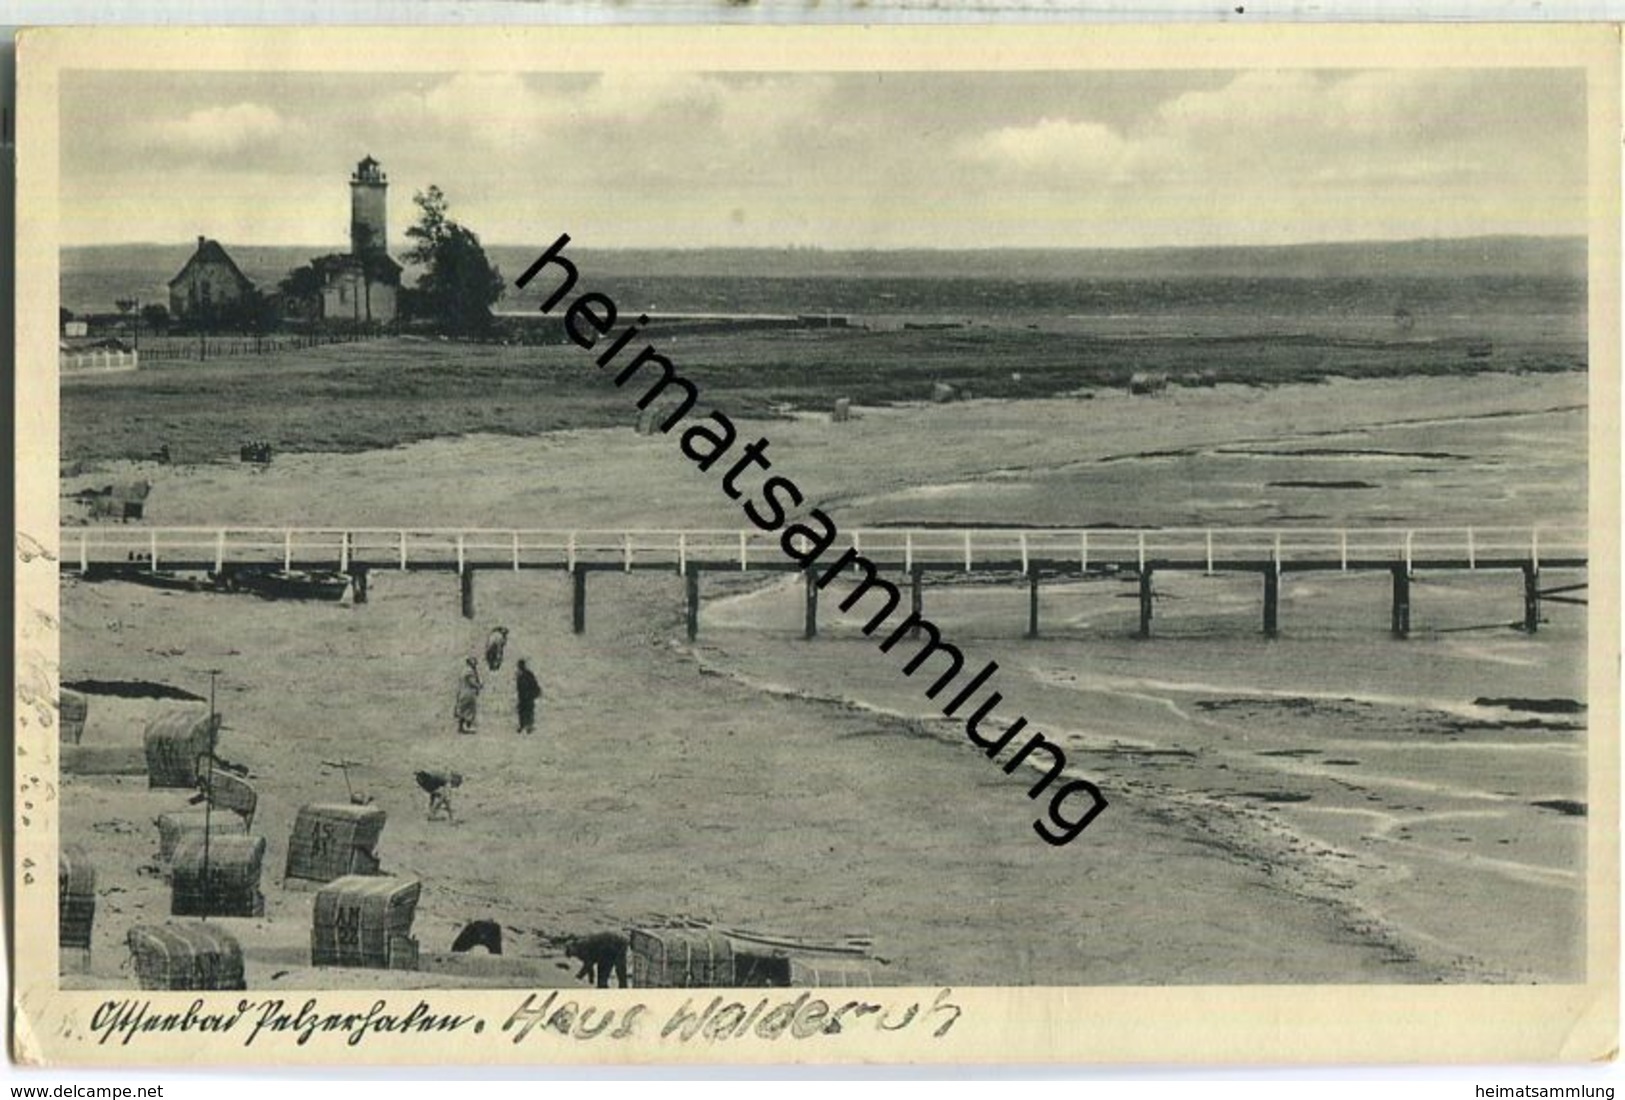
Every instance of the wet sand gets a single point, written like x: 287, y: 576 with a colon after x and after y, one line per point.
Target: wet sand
x: 761, y: 781
x: 654, y: 790
x: 1412, y: 784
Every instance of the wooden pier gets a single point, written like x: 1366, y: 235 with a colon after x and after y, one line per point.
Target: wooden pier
x: 1033, y: 554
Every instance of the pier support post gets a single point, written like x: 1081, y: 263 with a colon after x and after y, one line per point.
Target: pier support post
x: 810, y: 629
x: 467, y: 580
x: 916, y: 602
x: 578, y: 600
x: 1531, y: 597
x: 1032, y: 605
x: 691, y: 588
x: 358, y: 583
x: 1145, y: 602
x: 1402, y: 602
x: 1272, y: 601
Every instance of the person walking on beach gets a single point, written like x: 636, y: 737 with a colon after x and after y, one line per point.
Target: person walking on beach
x: 495, y: 645
x: 468, y: 697
x: 529, y: 691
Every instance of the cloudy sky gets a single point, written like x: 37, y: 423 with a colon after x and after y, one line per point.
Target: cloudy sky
x: 881, y: 160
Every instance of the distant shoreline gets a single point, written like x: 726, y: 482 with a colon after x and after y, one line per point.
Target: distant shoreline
x: 1436, y: 243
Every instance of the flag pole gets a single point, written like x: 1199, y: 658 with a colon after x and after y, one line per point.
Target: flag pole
x: 208, y: 803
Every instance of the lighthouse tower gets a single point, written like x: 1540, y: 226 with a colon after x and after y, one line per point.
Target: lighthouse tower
x: 361, y: 289
x: 368, y: 231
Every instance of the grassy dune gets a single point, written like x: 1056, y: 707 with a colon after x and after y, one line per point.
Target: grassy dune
x: 357, y: 397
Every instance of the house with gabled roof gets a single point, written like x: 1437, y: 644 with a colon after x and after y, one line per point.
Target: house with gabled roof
x: 210, y: 286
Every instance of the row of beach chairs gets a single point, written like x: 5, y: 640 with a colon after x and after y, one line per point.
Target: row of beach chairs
x: 214, y: 864
x: 360, y: 917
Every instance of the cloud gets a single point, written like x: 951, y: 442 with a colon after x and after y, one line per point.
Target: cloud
x: 1294, y: 116
x: 495, y: 110
x: 219, y: 130
x: 1389, y: 149
x: 1060, y: 146
x: 633, y: 157
x: 630, y: 97
x: 610, y: 113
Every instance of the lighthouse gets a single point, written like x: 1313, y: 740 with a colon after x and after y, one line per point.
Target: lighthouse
x: 360, y: 288
x: 369, y: 234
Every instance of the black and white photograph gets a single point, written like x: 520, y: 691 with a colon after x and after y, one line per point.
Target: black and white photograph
x: 652, y: 540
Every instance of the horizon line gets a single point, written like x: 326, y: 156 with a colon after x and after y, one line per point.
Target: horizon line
x: 826, y: 249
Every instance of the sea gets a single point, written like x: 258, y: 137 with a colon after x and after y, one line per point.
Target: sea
x: 1422, y: 287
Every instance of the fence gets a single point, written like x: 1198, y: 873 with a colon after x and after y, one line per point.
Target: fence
x: 937, y: 548
x: 97, y: 362
x: 175, y: 349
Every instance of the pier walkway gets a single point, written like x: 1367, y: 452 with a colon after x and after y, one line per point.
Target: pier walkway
x: 1030, y: 554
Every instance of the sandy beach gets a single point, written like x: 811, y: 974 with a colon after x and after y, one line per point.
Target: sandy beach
x: 1333, y: 806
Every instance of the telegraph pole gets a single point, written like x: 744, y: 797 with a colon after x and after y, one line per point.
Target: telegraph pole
x: 132, y: 308
x: 208, y: 801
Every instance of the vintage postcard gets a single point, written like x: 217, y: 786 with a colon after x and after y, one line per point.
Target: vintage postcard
x: 817, y: 545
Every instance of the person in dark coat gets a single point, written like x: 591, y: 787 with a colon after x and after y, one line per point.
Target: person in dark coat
x: 530, y: 690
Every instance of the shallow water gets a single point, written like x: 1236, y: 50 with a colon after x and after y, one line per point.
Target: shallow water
x: 1362, y: 745
x: 1334, y: 778
x: 1365, y: 747
x: 1484, y: 471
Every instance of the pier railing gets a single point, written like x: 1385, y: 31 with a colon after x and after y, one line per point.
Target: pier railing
x: 1024, y: 549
